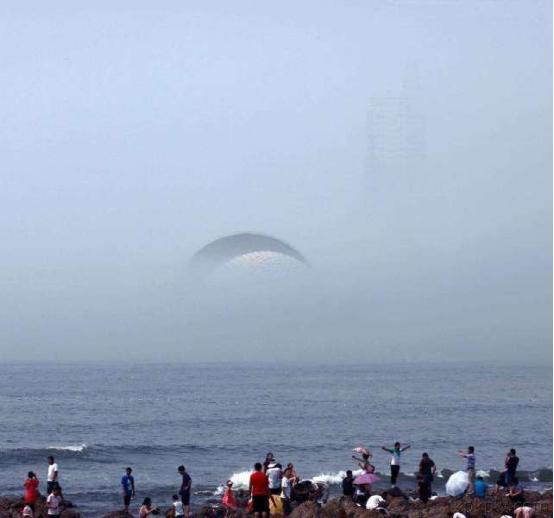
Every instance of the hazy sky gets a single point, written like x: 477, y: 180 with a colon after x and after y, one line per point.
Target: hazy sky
x: 404, y: 147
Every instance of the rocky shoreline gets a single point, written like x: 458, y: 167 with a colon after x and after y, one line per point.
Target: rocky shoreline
x: 493, y: 506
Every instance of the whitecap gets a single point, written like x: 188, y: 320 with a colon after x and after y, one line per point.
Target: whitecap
x: 76, y: 448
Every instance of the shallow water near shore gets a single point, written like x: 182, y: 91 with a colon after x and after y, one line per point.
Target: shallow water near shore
x: 220, y: 419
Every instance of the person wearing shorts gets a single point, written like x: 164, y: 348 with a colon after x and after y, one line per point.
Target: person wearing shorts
x: 259, y: 490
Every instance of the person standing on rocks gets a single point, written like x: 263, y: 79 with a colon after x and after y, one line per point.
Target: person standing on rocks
x: 364, y: 462
x: 184, y: 492
x: 510, y: 463
x: 274, y: 474
x: 269, y: 459
x: 259, y: 490
x: 52, y: 477
x: 30, y: 485
x: 395, y: 461
x: 470, y: 458
x: 286, y: 485
x: 427, y: 470
x: 348, y: 484
x: 54, y: 502
x: 294, y: 478
x: 229, y: 500
x: 128, y: 487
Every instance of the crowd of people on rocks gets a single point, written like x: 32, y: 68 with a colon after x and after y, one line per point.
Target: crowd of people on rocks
x: 274, y: 490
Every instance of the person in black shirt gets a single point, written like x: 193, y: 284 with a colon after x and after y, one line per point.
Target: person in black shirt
x: 511, y: 463
x: 348, y: 484
x: 427, y: 470
x: 185, y: 489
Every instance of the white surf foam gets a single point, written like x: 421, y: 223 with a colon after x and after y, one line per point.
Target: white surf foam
x: 240, y: 480
x: 334, y: 478
x: 76, y: 448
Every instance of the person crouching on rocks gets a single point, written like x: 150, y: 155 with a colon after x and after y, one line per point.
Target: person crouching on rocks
x: 423, y: 488
x: 363, y: 492
x: 177, y: 507
x: 146, y: 509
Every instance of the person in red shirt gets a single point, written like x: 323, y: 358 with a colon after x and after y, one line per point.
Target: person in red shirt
x: 259, y: 490
x: 31, y: 490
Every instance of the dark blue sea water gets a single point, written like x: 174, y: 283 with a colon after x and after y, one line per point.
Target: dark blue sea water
x: 219, y: 419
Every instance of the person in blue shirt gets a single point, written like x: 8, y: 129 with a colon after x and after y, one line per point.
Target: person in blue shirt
x: 128, y: 486
x: 480, y: 487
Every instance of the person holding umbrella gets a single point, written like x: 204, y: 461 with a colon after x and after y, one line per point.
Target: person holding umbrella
x: 364, y: 461
x: 368, y: 477
x: 395, y: 461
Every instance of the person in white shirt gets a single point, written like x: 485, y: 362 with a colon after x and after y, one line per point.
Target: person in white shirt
x: 52, y: 478
x: 274, y: 475
x: 375, y: 502
x: 395, y: 460
x: 53, y: 503
x: 178, y: 506
x: 286, y: 484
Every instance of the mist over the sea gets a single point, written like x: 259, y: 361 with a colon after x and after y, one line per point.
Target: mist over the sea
x: 402, y: 147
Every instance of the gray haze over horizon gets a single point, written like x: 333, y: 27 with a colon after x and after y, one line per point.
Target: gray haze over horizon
x: 403, y: 147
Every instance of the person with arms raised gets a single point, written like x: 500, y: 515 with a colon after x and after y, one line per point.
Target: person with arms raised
x: 395, y: 460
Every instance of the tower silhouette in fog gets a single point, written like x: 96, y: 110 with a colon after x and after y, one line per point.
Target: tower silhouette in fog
x: 396, y: 140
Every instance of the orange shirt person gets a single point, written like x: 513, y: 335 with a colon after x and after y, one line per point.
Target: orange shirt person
x: 259, y: 490
x: 30, y: 485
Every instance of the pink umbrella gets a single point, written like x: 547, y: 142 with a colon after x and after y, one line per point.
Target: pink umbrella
x: 366, y: 478
x: 362, y: 450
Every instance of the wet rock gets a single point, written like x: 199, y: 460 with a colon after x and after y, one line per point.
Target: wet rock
x: 492, y: 506
x: 12, y: 507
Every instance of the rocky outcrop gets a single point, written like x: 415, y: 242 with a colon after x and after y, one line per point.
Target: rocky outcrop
x: 12, y: 507
x: 440, y: 507
x: 492, y: 506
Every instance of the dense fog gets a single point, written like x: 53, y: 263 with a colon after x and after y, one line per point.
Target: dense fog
x: 402, y: 147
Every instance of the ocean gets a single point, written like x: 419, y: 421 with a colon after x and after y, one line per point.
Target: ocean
x: 218, y: 420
